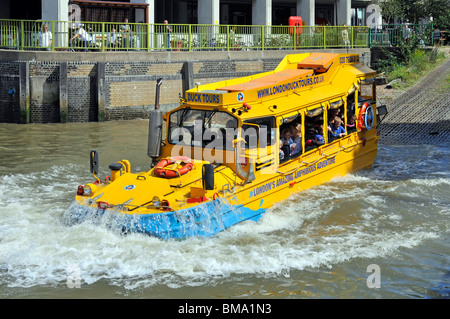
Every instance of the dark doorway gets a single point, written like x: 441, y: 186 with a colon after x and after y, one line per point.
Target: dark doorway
x: 26, y: 10
x: 236, y: 12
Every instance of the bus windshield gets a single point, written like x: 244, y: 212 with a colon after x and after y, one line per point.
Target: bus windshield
x: 204, y: 128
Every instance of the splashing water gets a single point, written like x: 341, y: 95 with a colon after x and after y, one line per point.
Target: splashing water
x: 398, y: 206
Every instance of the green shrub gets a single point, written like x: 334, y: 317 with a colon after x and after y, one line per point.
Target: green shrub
x: 407, y: 61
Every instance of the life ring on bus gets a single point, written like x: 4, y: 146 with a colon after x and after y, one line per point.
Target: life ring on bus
x: 366, y: 117
x: 162, y: 171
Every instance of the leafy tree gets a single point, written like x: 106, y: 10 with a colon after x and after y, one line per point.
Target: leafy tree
x: 405, y: 10
x: 413, y: 11
x: 440, y: 11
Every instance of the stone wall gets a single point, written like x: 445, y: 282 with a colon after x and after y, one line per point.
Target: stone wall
x: 54, y: 87
x: 9, y: 100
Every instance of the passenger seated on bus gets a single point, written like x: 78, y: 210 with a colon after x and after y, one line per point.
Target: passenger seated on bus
x: 286, y: 136
x: 310, y: 131
x: 319, y: 130
x: 319, y: 140
x: 285, y: 143
x: 337, y: 130
x: 351, y: 124
x: 318, y: 122
x: 310, y: 135
x: 333, y: 114
x: 316, y: 141
x: 296, y: 146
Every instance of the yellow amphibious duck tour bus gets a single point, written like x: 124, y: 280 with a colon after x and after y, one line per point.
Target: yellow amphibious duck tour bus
x: 234, y: 148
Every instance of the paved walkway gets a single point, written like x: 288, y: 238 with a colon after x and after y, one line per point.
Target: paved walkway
x: 421, y: 114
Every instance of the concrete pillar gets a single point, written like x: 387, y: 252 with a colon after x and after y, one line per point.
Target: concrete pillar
x: 306, y: 10
x: 63, y: 93
x: 101, y: 96
x: 208, y: 11
x: 58, y: 10
x: 343, y: 12
x: 55, y: 10
x: 262, y: 12
x: 24, y: 91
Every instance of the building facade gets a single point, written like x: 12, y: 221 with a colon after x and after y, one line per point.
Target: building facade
x: 236, y: 12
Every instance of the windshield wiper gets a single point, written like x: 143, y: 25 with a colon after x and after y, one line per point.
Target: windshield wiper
x: 208, y: 120
x: 183, y: 115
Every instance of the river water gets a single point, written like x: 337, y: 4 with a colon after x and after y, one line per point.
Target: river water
x: 379, y: 233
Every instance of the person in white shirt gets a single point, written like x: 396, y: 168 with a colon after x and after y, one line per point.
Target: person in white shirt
x: 45, y: 38
x: 344, y: 34
x: 84, y: 38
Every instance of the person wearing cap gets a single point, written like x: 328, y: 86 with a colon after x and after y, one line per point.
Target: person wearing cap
x: 319, y: 140
x: 82, y: 36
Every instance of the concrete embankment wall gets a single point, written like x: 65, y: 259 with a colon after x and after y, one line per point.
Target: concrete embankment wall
x: 53, y: 87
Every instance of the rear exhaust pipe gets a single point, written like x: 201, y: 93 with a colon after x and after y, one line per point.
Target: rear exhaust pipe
x: 158, y: 87
x: 155, y: 128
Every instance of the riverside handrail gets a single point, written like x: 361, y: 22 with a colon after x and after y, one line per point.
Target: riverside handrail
x: 395, y: 34
x: 106, y: 36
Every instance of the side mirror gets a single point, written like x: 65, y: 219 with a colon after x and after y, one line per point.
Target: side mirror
x: 382, y: 110
x: 94, y: 162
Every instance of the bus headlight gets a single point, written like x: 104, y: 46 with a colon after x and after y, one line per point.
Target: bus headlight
x: 89, y: 189
x: 156, y: 201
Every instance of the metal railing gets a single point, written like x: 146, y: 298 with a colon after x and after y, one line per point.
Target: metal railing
x: 395, y: 34
x: 103, y: 36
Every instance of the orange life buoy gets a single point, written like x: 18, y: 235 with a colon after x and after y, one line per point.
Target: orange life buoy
x: 162, y: 171
x: 366, y: 117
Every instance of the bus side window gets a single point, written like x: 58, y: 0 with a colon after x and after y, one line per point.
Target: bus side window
x: 314, y: 130
x: 351, y: 117
x: 266, y: 134
x: 336, y: 120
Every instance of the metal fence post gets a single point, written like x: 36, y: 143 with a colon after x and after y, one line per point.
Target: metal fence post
x: 190, y: 37
x: 228, y: 38
x: 294, y: 37
x: 148, y: 37
x: 262, y: 38
x: 324, y: 37
x: 103, y: 37
x: 353, y: 39
x: 53, y: 35
x: 22, y: 35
